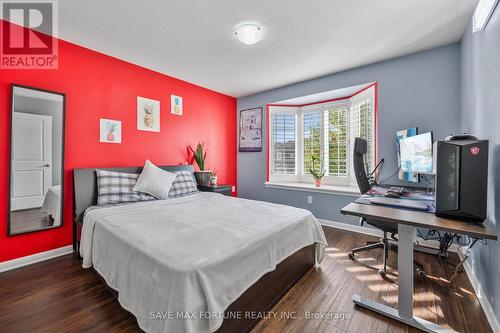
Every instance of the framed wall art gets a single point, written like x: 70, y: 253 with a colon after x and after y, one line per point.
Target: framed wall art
x: 148, y: 114
x: 110, y: 131
x: 176, y: 105
x: 250, y: 130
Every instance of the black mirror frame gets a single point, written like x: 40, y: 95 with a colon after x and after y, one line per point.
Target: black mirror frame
x: 13, y: 85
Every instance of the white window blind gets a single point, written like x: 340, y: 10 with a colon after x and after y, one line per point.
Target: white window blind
x: 362, y: 125
x: 337, y: 141
x: 312, y: 138
x: 283, y: 141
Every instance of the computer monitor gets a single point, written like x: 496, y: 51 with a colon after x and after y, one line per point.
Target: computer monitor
x: 416, y: 153
x: 401, y: 134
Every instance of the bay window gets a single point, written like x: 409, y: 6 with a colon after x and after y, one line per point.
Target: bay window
x: 323, y: 131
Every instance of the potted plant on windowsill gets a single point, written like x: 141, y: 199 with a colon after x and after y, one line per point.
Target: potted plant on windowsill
x: 317, y: 174
x: 202, y: 176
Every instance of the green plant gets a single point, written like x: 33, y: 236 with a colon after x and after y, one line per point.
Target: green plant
x: 316, y: 173
x: 199, y: 155
x: 148, y: 109
x: 214, y: 172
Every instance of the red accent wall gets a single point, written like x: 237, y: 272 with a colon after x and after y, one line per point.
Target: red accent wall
x: 100, y: 86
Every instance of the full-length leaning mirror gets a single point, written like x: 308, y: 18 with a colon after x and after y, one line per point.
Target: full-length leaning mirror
x: 36, y: 160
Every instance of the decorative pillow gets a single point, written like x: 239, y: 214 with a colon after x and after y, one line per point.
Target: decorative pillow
x: 184, y: 184
x: 116, y: 187
x: 154, y: 181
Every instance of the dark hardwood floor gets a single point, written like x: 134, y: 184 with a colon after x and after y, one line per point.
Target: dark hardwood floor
x: 29, y: 219
x: 59, y: 296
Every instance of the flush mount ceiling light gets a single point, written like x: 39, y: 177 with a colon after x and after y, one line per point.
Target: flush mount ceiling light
x: 249, y: 34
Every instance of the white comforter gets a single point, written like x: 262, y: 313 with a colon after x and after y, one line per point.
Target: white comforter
x: 179, y: 263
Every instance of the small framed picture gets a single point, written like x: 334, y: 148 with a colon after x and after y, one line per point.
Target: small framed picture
x: 251, y: 130
x: 110, y: 131
x: 176, y: 105
x: 148, y: 114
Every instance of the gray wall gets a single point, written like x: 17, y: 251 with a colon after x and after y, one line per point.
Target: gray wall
x: 48, y: 108
x: 420, y: 90
x: 481, y: 116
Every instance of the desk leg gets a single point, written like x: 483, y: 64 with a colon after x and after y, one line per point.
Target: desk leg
x: 404, y: 313
x: 405, y: 270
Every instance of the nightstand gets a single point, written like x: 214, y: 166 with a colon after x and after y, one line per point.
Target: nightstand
x: 220, y: 188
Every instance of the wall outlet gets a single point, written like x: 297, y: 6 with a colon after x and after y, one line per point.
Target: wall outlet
x: 233, y: 188
x: 309, y: 199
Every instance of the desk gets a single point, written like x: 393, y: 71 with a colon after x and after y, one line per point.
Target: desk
x: 407, y: 221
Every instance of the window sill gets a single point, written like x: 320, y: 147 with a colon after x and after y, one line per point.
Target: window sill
x: 329, y: 189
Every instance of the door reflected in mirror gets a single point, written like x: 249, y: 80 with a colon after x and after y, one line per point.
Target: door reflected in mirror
x: 36, y: 160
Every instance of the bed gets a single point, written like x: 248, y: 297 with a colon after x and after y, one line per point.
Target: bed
x: 197, y: 263
x: 52, y: 204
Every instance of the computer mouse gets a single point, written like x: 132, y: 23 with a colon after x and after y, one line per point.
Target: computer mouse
x: 392, y: 195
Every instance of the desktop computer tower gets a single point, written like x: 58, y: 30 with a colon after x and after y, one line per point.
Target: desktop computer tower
x: 462, y: 179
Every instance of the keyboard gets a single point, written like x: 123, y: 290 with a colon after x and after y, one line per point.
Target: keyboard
x: 395, y: 192
x: 397, y: 189
x: 403, y: 203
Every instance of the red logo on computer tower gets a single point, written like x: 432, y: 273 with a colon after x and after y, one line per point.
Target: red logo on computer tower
x: 474, y: 150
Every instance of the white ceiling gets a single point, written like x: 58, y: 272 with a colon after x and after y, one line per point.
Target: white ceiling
x: 193, y: 39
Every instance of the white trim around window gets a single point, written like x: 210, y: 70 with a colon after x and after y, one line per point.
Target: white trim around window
x: 280, y: 173
x: 352, y: 191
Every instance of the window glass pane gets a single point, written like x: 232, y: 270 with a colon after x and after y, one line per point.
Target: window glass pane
x: 312, y: 139
x: 283, y: 141
x: 337, y: 142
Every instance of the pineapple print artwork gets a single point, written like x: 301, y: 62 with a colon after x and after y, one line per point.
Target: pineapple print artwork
x: 176, y: 105
x: 148, y: 114
x: 110, y: 131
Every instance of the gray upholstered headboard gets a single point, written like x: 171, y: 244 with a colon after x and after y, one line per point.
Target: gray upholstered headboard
x: 85, y: 185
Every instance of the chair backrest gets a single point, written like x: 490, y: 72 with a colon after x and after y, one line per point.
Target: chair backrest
x: 360, y: 148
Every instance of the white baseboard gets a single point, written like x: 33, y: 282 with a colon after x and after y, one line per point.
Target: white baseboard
x: 483, y: 300
x: 351, y: 227
x: 34, y: 258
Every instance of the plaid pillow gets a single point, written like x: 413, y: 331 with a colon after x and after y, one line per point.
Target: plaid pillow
x: 116, y: 187
x: 183, y: 184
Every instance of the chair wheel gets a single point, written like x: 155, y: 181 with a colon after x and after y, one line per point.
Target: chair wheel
x: 351, y: 255
x: 381, y: 272
x: 420, y: 273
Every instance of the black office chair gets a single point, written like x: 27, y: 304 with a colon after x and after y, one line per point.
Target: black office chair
x: 360, y: 148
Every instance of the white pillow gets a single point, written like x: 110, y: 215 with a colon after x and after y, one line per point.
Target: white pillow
x: 154, y: 181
